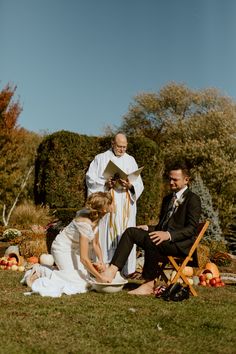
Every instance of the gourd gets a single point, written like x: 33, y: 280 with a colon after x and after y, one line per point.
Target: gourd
x: 33, y: 260
x: 196, y: 280
x: 190, y: 280
x: 188, y: 271
x: 46, y: 259
x: 173, y: 274
x: 212, y: 267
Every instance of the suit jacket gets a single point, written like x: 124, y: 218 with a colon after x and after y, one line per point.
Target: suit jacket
x: 183, y: 223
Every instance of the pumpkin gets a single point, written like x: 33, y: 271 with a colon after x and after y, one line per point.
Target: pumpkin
x: 46, y: 259
x: 196, y: 280
x: 212, y: 267
x: 33, y: 260
x: 188, y: 271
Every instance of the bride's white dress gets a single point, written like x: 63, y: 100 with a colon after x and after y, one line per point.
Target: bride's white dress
x: 71, y: 276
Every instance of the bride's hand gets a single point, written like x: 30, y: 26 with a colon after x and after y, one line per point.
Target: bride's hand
x: 143, y: 227
x: 103, y: 279
x: 100, y: 267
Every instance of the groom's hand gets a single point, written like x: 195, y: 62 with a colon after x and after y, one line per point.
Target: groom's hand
x: 159, y: 236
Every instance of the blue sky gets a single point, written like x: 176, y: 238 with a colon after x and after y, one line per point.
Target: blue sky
x: 78, y: 64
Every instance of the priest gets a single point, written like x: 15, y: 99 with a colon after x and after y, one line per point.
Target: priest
x: 125, y: 195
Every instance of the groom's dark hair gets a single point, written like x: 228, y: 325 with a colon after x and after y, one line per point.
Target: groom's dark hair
x: 178, y: 165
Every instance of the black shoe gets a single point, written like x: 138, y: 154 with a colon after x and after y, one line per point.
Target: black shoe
x: 171, y: 291
x: 183, y: 294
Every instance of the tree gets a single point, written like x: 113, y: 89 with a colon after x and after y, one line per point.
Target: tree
x: 17, y: 153
x: 208, y: 213
x: 9, y: 110
x: 197, y: 126
x: 151, y: 112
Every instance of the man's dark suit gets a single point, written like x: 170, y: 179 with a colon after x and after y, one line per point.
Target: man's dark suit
x: 182, y: 227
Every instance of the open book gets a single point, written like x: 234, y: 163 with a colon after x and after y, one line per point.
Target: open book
x: 115, y: 172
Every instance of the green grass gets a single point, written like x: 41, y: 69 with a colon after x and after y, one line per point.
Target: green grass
x: 115, y: 323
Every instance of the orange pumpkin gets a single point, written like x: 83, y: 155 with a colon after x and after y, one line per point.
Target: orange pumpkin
x: 33, y: 259
x: 213, y: 268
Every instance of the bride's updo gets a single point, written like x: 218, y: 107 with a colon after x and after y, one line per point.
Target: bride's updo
x: 98, y: 204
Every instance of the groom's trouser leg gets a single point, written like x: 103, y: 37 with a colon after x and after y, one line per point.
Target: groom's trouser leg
x: 141, y: 238
x: 131, y: 236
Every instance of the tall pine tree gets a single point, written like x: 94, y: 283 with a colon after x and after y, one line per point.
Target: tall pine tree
x: 213, y: 232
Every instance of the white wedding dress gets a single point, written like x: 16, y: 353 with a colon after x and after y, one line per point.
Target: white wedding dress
x: 71, y: 276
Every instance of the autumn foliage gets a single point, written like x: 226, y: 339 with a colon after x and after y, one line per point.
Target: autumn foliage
x: 17, y: 152
x: 9, y: 110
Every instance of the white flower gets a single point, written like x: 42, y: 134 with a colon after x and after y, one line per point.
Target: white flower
x: 179, y: 201
x: 10, y: 234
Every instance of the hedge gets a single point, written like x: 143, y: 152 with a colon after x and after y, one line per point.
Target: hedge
x: 64, y: 157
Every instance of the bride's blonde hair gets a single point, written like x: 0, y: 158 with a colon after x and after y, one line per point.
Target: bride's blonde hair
x: 98, y: 204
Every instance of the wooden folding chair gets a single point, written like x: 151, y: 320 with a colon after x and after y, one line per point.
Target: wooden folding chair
x: 178, y: 263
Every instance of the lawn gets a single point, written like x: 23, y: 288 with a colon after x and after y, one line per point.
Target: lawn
x: 115, y: 323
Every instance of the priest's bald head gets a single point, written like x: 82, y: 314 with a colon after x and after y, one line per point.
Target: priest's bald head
x: 119, y: 144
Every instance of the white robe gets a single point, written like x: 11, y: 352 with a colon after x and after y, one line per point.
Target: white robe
x: 112, y: 226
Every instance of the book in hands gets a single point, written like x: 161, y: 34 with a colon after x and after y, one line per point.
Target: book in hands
x: 112, y: 171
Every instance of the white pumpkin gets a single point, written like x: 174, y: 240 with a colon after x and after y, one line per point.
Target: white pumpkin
x: 46, y: 259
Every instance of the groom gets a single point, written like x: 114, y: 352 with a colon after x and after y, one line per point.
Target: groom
x: 172, y: 236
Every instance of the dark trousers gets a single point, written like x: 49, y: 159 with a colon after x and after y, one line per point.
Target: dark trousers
x: 152, y: 255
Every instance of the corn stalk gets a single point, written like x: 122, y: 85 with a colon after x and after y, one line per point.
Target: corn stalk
x: 6, y: 218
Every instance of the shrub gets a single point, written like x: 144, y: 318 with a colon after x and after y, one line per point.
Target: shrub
x: 27, y: 214
x: 65, y: 215
x: 63, y: 159
x: 10, y: 234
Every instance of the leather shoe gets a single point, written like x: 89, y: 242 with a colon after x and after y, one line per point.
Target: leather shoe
x: 171, y: 291
x: 183, y: 294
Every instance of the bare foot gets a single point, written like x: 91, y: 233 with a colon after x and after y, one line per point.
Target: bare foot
x: 144, y: 289
x: 31, y: 278
x: 110, y: 272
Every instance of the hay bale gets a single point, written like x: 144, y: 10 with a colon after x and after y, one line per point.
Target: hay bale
x: 203, y: 255
x: 3, y: 248
x: 33, y: 245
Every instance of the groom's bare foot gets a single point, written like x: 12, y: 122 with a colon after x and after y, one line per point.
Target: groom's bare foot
x: 110, y: 272
x: 144, y: 289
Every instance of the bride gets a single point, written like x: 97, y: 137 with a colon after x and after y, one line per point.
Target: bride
x: 71, y: 250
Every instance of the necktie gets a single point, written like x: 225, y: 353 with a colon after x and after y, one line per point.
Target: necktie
x: 170, y: 210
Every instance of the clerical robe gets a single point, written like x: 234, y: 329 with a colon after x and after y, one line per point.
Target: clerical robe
x: 114, y: 224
